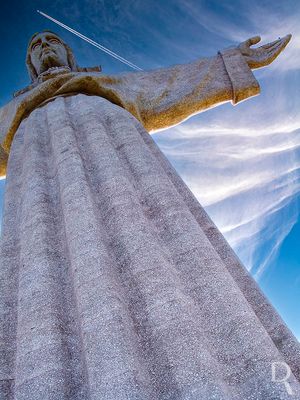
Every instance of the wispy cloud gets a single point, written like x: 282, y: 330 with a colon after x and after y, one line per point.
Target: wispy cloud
x: 245, y: 178
x: 241, y: 20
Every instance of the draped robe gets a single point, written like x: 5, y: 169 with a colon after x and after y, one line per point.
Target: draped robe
x: 115, y: 284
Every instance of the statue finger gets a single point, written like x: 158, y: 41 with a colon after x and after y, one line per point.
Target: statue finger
x: 274, y: 51
x: 271, y: 44
x: 253, y: 40
x: 270, y: 51
x: 281, y: 44
x: 284, y: 41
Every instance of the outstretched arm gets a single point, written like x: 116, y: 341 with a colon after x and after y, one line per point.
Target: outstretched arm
x: 158, y: 99
x: 165, y: 97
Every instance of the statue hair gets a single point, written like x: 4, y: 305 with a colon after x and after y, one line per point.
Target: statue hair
x: 31, y: 70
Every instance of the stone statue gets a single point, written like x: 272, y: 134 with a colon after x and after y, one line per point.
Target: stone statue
x: 115, y: 284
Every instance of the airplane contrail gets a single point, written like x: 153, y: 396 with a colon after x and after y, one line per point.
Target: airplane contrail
x: 92, y: 42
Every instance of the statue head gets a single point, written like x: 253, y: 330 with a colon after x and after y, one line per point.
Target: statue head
x: 46, y: 50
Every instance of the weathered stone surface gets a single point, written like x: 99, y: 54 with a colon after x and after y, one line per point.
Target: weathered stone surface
x: 158, y: 99
x: 116, y: 285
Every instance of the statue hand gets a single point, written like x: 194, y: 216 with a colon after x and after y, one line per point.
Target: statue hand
x: 263, y: 55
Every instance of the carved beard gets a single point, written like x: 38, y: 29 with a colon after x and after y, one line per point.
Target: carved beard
x: 49, y: 60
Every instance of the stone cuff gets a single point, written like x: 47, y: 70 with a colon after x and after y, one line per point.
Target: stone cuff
x: 243, y: 82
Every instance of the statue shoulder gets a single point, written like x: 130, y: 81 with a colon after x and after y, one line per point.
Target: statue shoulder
x: 8, y: 112
x: 7, y: 117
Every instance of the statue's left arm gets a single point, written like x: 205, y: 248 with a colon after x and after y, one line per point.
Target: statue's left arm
x: 165, y: 97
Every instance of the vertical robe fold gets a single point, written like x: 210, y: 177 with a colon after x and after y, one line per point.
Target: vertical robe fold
x: 115, y: 283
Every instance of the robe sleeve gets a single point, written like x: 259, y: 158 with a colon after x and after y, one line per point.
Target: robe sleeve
x: 165, y: 97
x: 158, y: 99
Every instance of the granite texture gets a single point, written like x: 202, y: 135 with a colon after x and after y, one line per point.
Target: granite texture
x: 114, y: 282
x: 158, y: 99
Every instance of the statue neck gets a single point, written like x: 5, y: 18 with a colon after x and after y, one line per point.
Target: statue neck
x: 52, y: 72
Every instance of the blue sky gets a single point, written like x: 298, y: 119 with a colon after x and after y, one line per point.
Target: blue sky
x: 242, y: 162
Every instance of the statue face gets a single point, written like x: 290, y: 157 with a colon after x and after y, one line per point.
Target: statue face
x: 46, y: 51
